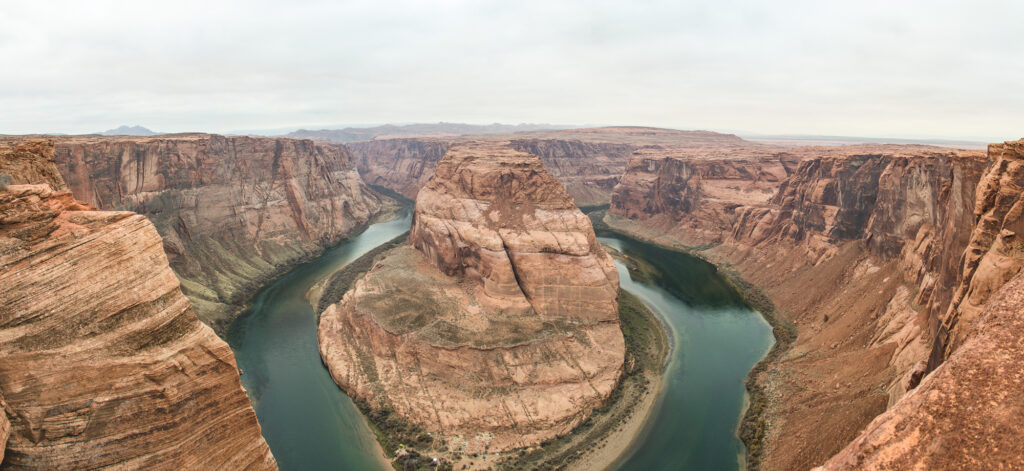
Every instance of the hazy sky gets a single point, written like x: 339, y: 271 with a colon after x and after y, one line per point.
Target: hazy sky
x: 895, y: 68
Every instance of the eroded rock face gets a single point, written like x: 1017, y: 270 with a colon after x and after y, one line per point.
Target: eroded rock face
x: 996, y: 250
x: 498, y: 326
x: 859, y: 251
x: 967, y: 413
x: 232, y: 211
x: 105, y: 363
x: 694, y: 193
x: 402, y: 165
x: 588, y: 162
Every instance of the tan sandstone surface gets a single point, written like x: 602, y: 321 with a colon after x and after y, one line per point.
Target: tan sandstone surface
x: 588, y: 162
x: 232, y: 211
x: 860, y: 250
x: 497, y: 328
x: 104, y: 362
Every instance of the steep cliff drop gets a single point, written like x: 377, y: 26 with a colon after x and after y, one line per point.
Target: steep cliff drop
x: 497, y: 327
x: 233, y: 211
x: 859, y: 250
x: 104, y: 362
x: 966, y: 414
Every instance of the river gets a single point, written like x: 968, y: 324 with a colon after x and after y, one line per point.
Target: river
x: 311, y: 425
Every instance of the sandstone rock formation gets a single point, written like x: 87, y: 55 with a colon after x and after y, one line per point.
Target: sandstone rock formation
x: 588, y: 162
x: 967, y: 413
x: 859, y: 250
x: 232, y: 211
x: 996, y: 249
x: 693, y: 193
x: 498, y: 327
x: 104, y: 362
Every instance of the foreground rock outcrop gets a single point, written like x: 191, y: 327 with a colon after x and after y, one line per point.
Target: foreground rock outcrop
x: 860, y: 251
x: 497, y: 327
x: 232, y: 211
x: 588, y: 162
x: 104, y: 362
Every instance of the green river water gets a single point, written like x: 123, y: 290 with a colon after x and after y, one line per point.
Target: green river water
x: 311, y: 425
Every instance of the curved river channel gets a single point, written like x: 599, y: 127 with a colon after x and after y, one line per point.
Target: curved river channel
x: 311, y: 425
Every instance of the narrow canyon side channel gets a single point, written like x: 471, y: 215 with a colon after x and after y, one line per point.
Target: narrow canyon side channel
x: 310, y: 424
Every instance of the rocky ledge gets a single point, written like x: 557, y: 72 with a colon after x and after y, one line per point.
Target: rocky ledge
x: 497, y: 327
x: 105, y: 363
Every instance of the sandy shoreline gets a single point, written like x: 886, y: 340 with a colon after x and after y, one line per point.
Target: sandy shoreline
x: 618, y: 443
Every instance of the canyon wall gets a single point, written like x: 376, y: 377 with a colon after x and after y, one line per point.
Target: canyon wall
x: 497, y: 327
x: 233, y: 211
x: 860, y: 251
x: 694, y: 193
x: 588, y: 162
x: 105, y: 363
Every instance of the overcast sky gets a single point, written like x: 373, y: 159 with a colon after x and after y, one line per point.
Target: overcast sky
x: 896, y: 68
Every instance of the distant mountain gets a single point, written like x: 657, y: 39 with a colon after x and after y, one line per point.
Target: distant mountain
x: 128, y: 131
x: 420, y: 129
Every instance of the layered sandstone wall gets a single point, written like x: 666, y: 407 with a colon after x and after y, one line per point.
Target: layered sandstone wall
x: 105, y: 364
x: 995, y: 253
x: 497, y: 328
x: 694, y: 193
x: 588, y: 162
x: 401, y: 165
x: 232, y: 211
x: 859, y: 249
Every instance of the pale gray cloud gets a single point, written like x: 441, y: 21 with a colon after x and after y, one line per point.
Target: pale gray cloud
x: 881, y: 68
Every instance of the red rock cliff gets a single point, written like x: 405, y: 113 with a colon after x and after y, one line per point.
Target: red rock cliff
x: 498, y: 327
x: 588, y: 162
x: 859, y: 250
x: 105, y: 363
x: 232, y: 211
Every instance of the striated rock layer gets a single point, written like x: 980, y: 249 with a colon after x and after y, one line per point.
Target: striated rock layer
x: 232, y: 211
x: 498, y: 327
x: 588, y: 162
x: 860, y: 251
x: 967, y: 414
x: 105, y: 364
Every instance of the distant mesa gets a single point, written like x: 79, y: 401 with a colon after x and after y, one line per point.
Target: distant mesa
x: 124, y: 130
x: 352, y: 134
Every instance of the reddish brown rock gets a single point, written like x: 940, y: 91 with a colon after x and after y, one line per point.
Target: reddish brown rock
x: 233, y: 211
x: 694, y: 193
x: 858, y: 250
x: 588, y: 162
x: 105, y: 364
x: 498, y: 327
x: 996, y: 250
x: 968, y: 413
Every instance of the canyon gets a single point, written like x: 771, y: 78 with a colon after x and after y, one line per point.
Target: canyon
x: 233, y: 212
x: 875, y: 258
x: 588, y: 162
x: 105, y: 363
x: 496, y: 326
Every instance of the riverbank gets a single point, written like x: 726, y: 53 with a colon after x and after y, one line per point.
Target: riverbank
x: 595, y: 444
x: 755, y: 423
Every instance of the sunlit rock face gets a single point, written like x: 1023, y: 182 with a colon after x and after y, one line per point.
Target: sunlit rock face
x: 497, y: 327
x: 104, y: 362
x: 232, y: 211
